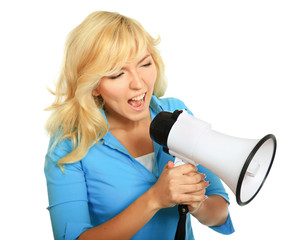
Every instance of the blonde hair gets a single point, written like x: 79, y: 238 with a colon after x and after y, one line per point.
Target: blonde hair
x: 98, y: 47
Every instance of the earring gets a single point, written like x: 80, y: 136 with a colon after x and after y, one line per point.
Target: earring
x: 100, y: 100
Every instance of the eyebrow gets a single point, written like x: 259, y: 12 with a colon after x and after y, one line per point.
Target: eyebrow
x: 148, y: 55
x: 140, y: 61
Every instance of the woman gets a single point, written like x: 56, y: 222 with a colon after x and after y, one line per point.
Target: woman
x: 106, y: 179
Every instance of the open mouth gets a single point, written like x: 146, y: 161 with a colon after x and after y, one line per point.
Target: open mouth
x: 137, y: 102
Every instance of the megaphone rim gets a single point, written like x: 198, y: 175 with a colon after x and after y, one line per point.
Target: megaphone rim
x: 246, y: 165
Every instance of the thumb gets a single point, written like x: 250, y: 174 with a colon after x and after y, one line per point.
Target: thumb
x: 170, y: 164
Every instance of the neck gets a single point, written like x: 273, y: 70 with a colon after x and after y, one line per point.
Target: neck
x: 118, y: 122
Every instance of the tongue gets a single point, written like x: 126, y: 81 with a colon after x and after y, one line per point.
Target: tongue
x: 135, y: 103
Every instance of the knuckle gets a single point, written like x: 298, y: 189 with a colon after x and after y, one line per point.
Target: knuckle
x: 196, y: 188
x: 176, y: 198
x: 171, y: 188
x: 192, y: 167
x: 198, y: 178
x: 200, y: 187
x: 170, y: 172
x: 191, y: 179
x: 194, y: 179
x: 171, y: 183
x: 194, y: 198
x: 188, y: 167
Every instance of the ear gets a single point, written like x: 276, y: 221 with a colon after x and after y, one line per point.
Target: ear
x: 96, y: 92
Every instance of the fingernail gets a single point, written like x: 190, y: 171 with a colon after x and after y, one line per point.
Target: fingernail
x: 205, y: 198
x: 207, y: 184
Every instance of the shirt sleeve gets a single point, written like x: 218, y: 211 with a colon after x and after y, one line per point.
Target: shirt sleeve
x: 67, y: 192
x: 216, y: 188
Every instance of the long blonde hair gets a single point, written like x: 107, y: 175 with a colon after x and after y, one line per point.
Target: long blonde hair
x: 98, y: 47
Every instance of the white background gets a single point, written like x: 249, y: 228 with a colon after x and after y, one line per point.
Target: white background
x: 236, y: 64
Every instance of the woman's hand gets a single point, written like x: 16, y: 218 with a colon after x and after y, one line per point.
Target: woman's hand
x: 179, y: 185
x: 194, y: 206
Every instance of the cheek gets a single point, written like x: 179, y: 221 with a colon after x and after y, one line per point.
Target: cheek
x: 111, y: 91
x: 151, y: 76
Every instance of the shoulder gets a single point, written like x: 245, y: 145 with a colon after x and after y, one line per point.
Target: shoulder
x: 58, y: 149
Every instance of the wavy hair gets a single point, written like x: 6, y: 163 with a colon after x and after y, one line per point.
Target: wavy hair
x: 98, y: 47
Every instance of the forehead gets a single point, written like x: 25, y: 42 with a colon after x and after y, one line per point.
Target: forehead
x: 140, y: 56
x: 131, y: 58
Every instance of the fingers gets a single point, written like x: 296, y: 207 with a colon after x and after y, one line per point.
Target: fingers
x: 189, y: 193
x: 189, y: 198
x: 187, y: 177
x: 185, y: 184
x: 199, y: 188
x: 191, y: 178
x: 194, y: 199
x: 186, y: 168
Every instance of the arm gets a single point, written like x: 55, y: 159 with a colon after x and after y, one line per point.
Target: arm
x: 67, y: 192
x: 127, y: 223
x: 212, y: 212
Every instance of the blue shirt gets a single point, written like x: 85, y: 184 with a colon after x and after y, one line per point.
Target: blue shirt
x: 107, y: 180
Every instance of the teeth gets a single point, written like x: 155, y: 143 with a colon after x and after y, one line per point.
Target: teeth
x: 140, y: 97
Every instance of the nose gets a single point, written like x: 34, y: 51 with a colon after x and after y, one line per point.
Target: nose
x: 136, y: 81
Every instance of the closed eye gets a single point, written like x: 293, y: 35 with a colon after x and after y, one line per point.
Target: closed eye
x: 147, y: 65
x: 116, y: 76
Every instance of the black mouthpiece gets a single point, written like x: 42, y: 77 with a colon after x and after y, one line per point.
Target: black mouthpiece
x: 161, y: 125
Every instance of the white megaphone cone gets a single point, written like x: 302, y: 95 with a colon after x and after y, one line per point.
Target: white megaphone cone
x: 243, y: 164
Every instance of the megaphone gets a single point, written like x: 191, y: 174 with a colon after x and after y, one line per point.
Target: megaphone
x: 243, y: 164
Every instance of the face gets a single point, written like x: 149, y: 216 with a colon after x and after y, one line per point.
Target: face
x: 127, y: 93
